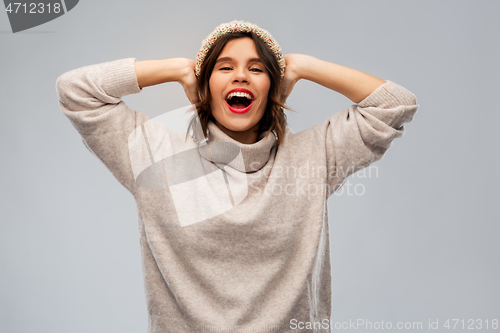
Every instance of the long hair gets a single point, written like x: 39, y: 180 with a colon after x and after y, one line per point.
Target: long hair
x: 274, y: 118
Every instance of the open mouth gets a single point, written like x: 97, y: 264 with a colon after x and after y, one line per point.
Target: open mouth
x: 239, y: 101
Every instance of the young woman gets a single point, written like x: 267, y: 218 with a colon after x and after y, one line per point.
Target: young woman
x: 233, y: 218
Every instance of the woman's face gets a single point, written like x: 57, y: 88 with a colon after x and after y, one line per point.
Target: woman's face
x: 239, y: 86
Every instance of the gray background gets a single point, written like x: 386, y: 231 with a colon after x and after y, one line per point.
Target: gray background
x: 421, y: 243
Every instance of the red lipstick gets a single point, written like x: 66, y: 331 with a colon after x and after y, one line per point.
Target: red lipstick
x: 242, y: 110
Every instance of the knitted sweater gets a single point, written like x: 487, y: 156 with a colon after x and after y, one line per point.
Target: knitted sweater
x: 234, y: 237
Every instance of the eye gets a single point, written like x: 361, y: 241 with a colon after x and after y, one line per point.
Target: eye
x: 225, y: 68
x: 256, y: 70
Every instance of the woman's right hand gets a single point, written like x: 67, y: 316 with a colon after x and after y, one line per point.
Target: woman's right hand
x: 189, y: 82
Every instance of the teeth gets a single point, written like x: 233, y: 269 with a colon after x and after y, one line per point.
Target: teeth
x: 239, y: 94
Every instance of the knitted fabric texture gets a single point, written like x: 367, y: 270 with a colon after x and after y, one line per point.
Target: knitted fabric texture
x: 263, y: 258
x: 239, y: 26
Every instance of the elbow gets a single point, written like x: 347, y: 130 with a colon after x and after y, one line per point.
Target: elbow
x: 409, y: 113
x: 69, y: 88
x: 63, y: 86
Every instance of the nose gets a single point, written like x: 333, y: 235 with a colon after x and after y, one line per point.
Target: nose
x: 240, y: 75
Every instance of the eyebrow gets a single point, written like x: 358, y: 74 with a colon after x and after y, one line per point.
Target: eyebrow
x: 231, y: 59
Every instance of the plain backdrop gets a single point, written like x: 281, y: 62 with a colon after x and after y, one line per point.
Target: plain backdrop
x: 419, y: 240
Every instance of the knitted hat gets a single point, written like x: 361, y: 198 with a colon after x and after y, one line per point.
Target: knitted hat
x: 239, y: 26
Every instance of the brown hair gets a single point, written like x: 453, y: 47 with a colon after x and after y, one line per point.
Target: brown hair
x: 274, y: 118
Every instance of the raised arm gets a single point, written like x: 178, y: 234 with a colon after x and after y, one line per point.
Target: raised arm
x: 91, y: 98
x: 361, y: 134
x: 352, y: 83
x: 152, y: 72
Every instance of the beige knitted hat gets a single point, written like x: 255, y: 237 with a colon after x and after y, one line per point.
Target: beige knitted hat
x: 239, y: 26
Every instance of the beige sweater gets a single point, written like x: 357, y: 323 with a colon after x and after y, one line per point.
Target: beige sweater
x: 234, y: 237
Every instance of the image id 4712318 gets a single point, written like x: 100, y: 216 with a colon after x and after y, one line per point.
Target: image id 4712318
x: 26, y: 15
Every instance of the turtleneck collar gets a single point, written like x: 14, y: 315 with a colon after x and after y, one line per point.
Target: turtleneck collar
x: 222, y: 149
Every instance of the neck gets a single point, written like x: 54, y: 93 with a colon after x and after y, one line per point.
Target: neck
x: 246, y: 137
x: 223, y: 150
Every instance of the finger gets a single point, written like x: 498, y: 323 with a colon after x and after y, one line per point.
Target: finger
x: 285, y: 92
x: 194, y: 98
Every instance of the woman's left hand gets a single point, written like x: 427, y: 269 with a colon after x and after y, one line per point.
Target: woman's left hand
x: 292, y: 74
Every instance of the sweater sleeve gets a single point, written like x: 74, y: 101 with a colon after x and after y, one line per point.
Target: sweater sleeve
x: 362, y: 133
x: 91, y: 98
